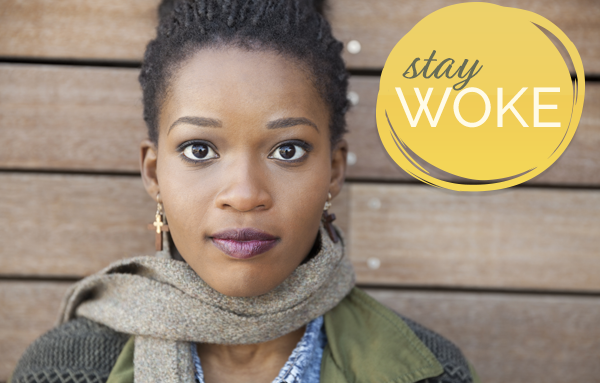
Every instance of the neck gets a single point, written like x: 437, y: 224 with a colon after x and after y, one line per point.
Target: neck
x: 260, y: 362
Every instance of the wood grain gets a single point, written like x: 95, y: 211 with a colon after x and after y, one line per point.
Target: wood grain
x: 90, y: 119
x: 507, y: 337
x: 57, y: 117
x: 517, y: 238
x: 84, y: 29
x: 68, y: 225
x: 379, y: 25
x: 29, y: 309
x: 73, y: 225
x: 119, y: 30
x: 511, y: 337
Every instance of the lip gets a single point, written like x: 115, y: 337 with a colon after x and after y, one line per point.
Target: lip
x: 243, y: 243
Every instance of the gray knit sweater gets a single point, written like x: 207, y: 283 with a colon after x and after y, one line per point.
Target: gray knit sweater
x: 82, y: 351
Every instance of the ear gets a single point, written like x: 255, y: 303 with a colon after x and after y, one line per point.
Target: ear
x: 148, y: 157
x: 338, y: 167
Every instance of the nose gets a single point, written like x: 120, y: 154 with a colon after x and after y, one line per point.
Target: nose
x: 244, y: 188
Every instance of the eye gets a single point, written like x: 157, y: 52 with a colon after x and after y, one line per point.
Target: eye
x: 288, y: 152
x: 199, y: 151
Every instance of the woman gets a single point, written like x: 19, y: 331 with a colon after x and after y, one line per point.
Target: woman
x: 245, y: 105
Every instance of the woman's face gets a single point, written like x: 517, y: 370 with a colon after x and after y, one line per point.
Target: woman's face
x: 244, y: 166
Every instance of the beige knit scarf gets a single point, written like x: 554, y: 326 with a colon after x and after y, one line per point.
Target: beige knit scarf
x: 166, y: 305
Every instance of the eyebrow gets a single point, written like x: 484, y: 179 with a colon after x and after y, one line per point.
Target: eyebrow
x: 214, y: 123
x: 198, y: 121
x: 288, y: 122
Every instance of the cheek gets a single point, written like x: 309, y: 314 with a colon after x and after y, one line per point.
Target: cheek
x: 301, y: 201
x: 187, y: 200
x: 301, y: 205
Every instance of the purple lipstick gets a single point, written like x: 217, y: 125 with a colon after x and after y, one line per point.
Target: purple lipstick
x: 243, y: 243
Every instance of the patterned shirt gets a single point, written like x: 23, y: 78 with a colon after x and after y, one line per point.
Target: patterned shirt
x: 303, y: 366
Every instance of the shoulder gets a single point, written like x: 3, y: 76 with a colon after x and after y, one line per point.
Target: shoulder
x: 80, y: 350
x: 456, y: 367
x: 368, y: 339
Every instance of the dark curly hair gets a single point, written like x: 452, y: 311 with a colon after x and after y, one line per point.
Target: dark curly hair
x: 295, y: 28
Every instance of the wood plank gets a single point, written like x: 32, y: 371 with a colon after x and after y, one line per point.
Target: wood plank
x: 379, y: 25
x: 29, y: 309
x: 90, y: 119
x: 83, y: 29
x: 509, y: 337
x: 56, y: 117
x: 519, y: 238
x: 119, y: 30
x: 579, y: 164
x: 73, y: 225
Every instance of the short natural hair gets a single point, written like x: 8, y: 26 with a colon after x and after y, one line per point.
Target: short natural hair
x: 295, y: 28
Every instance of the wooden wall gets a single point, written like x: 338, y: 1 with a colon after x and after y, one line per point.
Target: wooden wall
x: 512, y: 277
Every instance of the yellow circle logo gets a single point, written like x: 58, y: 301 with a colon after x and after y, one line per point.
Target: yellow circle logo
x: 478, y: 97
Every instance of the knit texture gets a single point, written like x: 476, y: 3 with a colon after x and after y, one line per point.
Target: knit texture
x: 166, y: 304
x: 456, y: 367
x: 81, y: 351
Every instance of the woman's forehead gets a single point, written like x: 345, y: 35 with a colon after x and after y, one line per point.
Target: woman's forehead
x: 234, y: 81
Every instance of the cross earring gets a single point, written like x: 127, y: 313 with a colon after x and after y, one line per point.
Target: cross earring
x: 160, y: 225
x: 327, y: 219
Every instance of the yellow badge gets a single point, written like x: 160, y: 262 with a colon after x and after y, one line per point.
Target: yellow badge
x: 478, y: 97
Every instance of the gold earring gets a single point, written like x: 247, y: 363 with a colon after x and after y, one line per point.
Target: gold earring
x: 327, y: 219
x: 328, y: 202
x: 160, y: 227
